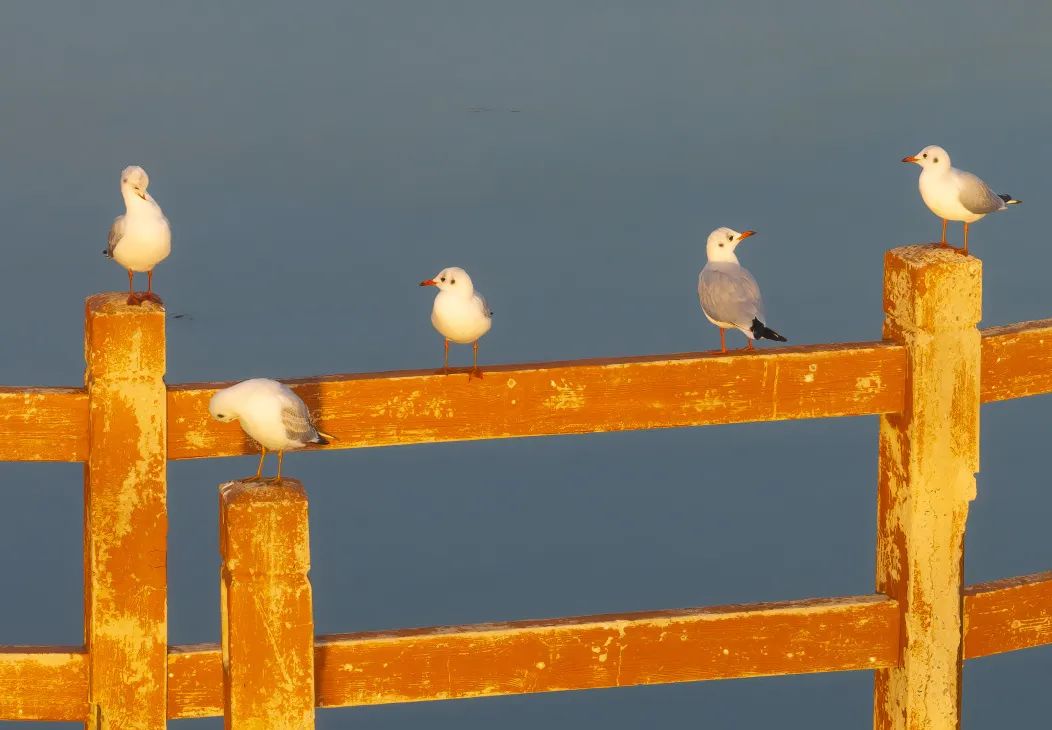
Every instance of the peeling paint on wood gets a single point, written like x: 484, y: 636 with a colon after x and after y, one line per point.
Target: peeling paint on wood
x: 125, y: 515
x: 43, y: 683
x: 929, y: 455
x: 1017, y: 360
x: 583, y: 396
x: 43, y: 424
x: 267, y: 619
x: 1008, y: 615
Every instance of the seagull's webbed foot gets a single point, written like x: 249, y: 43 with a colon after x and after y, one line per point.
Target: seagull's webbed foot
x: 151, y: 297
x: 475, y: 372
x: 135, y: 298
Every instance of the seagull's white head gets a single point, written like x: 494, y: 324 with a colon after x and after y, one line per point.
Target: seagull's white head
x: 134, y: 181
x: 453, y: 279
x: 932, y: 157
x: 223, y: 406
x: 722, y: 243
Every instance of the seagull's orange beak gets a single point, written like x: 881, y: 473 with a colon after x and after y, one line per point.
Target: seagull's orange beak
x: 428, y: 282
x: 746, y: 234
x: 910, y: 158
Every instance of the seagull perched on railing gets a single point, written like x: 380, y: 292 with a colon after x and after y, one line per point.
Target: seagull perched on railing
x: 271, y: 414
x: 141, y: 238
x: 952, y: 194
x: 460, y: 313
x: 730, y: 297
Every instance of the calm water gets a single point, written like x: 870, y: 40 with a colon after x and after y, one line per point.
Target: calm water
x: 317, y: 163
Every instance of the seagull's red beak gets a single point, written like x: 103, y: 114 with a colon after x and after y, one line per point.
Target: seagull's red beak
x: 428, y: 282
x: 746, y: 234
x: 910, y: 158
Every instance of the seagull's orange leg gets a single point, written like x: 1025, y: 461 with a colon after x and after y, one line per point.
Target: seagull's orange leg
x: 445, y: 359
x: 475, y: 372
x: 943, y: 241
x: 965, y: 252
x: 133, y: 298
x: 150, y: 296
x: 749, y: 346
x: 281, y: 457
x: 262, y: 455
x: 723, y: 340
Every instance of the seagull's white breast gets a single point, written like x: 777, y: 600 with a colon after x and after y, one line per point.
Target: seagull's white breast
x: 460, y: 319
x: 941, y: 193
x: 146, y: 242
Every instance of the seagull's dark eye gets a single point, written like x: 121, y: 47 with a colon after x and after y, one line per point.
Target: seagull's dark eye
x: 721, y: 245
x: 452, y: 281
x: 442, y: 279
x: 925, y: 155
x: 220, y: 415
x: 729, y: 238
x: 936, y: 159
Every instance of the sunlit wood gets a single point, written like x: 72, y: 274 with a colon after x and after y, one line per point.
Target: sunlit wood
x: 1008, y: 615
x: 43, y: 683
x: 1017, y: 360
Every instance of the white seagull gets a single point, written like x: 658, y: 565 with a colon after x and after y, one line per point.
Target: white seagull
x: 952, y: 194
x: 729, y: 296
x: 460, y: 313
x: 140, y: 239
x: 271, y: 414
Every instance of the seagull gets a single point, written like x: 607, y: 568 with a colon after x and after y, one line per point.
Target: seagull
x: 460, y: 313
x: 271, y: 414
x: 952, y: 194
x: 730, y: 297
x: 140, y: 239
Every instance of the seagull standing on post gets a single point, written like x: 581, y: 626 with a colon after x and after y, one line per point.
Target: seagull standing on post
x: 952, y: 194
x: 271, y: 414
x: 460, y: 314
x: 729, y: 295
x: 140, y: 239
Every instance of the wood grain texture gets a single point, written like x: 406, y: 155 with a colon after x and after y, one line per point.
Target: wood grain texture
x: 43, y: 424
x: 1008, y: 615
x: 928, y: 457
x: 267, y: 619
x: 43, y: 683
x: 583, y: 396
x: 195, y: 681
x: 125, y: 515
x: 659, y: 647
x: 1017, y: 360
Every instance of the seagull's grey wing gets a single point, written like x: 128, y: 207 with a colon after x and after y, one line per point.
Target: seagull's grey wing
x: 975, y: 195
x: 296, y: 419
x: 485, y: 307
x: 116, y: 233
x: 730, y: 295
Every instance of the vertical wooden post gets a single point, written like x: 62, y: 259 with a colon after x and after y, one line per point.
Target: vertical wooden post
x: 929, y: 455
x: 267, y: 617
x: 125, y: 515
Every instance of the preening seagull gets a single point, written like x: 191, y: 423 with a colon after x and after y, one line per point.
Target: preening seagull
x: 141, y: 238
x: 952, y: 194
x: 729, y: 295
x: 271, y: 414
x: 460, y: 314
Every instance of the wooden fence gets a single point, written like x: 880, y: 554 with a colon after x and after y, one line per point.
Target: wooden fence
x: 925, y: 380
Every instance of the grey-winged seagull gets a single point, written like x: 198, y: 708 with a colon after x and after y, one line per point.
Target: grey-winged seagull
x: 141, y: 238
x: 460, y: 314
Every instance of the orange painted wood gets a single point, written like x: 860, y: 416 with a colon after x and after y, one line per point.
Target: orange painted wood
x: 195, y: 681
x: 584, y: 396
x: 125, y: 515
x: 43, y: 424
x: 43, y: 683
x: 267, y: 619
x: 1017, y: 360
x: 1008, y: 615
x: 657, y: 647
x: 928, y: 457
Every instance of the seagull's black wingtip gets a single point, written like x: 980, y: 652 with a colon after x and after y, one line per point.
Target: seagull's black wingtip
x: 760, y: 331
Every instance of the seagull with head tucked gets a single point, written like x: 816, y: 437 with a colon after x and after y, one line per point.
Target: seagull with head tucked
x: 460, y: 314
x: 271, y: 414
x: 952, y: 194
x: 729, y: 295
x: 141, y: 238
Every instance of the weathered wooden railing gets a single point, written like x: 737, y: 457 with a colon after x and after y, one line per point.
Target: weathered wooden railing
x: 925, y: 381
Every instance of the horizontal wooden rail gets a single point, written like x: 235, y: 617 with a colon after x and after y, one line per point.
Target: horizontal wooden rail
x: 1017, y: 361
x: 822, y: 635
x: 43, y: 424
x: 1008, y: 615
x: 583, y: 396
x: 43, y: 683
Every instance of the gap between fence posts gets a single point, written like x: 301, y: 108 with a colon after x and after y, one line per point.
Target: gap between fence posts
x: 928, y: 458
x: 125, y: 515
x: 267, y: 615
